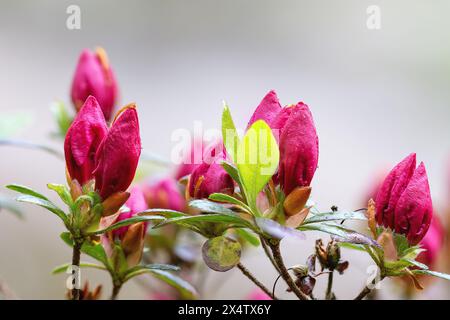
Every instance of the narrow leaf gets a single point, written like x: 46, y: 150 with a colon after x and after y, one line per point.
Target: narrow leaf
x: 128, y: 222
x: 229, y: 133
x: 62, y: 268
x: 47, y: 204
x: 342, y: 234
x: 25, y: 190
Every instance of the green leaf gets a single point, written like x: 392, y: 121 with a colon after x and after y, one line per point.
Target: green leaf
x: 62, y: 117
x: 257, y: 160
x: 332, y: 216
x: 161, y: 212
x: 62, y: 268
x: 62, y: 191
x: 343, y: 234
x: 221, y: 197
x: 221, y: 253
x: 149, y: 268
x: 276, y: 230
x: 232, y: 171
x: 248, y: 236
x: 11, y: 206
x: 352, y: 246
x: 25, y: 190
x: 433, y: 273
x: 12, y: 123
x: 186, y: 290
x: 416, y: 263
x: 230, y: 136
x: 94, y: 250
x: 128, y: 222
x: 214, y: 217
x: 210, y: 207
x: 47, y: 204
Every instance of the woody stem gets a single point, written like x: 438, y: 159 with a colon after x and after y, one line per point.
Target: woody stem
x: 330, y: 285
x: 364, y: 292
x: 268, y: 254
x: 116, y: 290
x: 275, y: 247
x: 247, y: 273
x: 76, y: 253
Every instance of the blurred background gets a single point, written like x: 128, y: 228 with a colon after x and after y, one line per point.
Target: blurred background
x: 376, y: 96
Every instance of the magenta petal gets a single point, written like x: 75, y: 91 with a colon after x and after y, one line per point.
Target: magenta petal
x: 118, y: 155
x: 136, y: 203
x: 299, y: 150
x: 164, y: 194
x: 392, y: 188
x: 82, y: 140
x: 267, y: 110
x: 414, y: 209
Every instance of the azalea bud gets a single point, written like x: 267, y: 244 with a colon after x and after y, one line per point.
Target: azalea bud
x: 136, y: 203
x: 82, y: 140
x: 404, y: 201
x: 433, y: 243
x: 164, y: 194
x: 208, y: 179
x: 192, y: 158
x: 299, y: 149
x: 94, y: 76
x: 117, y: 156
x: 267, y: 110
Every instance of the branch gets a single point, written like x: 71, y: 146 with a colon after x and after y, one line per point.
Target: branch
x: 364, y: 292
x: 285, y: 273
x: 247, y: 273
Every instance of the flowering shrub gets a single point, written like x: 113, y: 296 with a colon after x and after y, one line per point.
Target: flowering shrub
x: 252, y: 189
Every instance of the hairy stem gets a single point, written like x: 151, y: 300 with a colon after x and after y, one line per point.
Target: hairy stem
x: 252, y: 278
x: 366, y: 290
x: 285, y: 273
x: 329, y: 293
x: 76, y: 253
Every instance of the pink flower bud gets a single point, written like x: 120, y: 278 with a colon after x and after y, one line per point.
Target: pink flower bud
x: 299, y: 147
x: 94, y: 76
x: 208, y: 179
x: 136, y: 203
x: 267, y: 110
x: 117, y: 156
x: 192, y: 158
x: 164, y: 194
x: 404, y: 201
x: 433, y: 243
x: 82, y: 140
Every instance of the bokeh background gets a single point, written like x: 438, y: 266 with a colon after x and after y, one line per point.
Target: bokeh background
x: 376, y: 96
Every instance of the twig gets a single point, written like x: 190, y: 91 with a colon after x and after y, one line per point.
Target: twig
x: 31, y: 145
x: 247, y: 273
x: 329, y: 293
x: 76, y: 262
x: 268, y: 254
x: 364, y: 292
x: 285, y: 273
x: 116, y: 290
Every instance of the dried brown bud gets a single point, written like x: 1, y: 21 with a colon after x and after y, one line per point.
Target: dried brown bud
x: 371, y: 217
